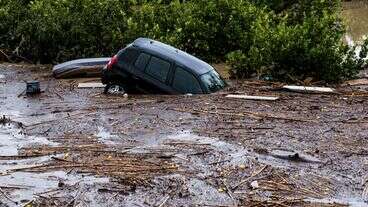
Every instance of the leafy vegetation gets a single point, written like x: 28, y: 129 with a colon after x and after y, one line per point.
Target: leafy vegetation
x: 275, y: 38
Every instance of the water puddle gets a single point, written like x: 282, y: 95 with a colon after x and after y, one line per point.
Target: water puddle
x: 183, y: 144
x: 294, y: 156
x: 8, y: 165
x: 24, y: 186
x: 207, y: 195
x: 12, y: 139
x: 106, y: 137
x: 28, y: 185
x: 233, y: 153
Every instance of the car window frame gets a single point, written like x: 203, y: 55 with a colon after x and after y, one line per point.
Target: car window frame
x: 167, y: 81
x: 188, y: 71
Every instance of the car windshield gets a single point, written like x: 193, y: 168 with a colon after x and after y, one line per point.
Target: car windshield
x: 212, y: 81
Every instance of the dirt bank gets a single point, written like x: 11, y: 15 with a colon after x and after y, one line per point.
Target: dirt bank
x: 78, y: 147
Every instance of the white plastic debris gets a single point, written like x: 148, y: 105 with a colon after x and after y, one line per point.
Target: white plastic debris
x: 91, y: 85
x: 309, y: 89
x: 254, y: 184
x: 262, y: 98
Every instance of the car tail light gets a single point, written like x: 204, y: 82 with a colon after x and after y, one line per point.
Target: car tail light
x: 112, y: 62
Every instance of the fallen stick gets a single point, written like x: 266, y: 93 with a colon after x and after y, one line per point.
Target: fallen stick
x: 60, y: 159
x: 305, y: 89
x: 6, y: 56
x: 218, y: 162
x: 165, y: 200
x: 122, y: 167
x: 57, y: 119
x: 254, y: 174
x: 245, y: 114
x: 14, y: 187
x: 29, y: 203
x: 22, y: 58
x: 7, y: 197
x: 228, y: 190
x: 261, y: 98
x: 20, y: 94
x: 91, y: 85
x: 19, y: 157
x: 199, y: 153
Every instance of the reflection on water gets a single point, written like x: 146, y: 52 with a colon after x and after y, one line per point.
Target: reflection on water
x: 356, y: 17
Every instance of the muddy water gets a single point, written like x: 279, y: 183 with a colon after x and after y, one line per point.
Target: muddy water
x: 356, y: 16
x: 12, y: 139
x: 26, y: 185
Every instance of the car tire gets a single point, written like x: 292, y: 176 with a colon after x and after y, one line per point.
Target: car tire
x: 114, y: 89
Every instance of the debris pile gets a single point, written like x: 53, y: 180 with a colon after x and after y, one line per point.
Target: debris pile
x: 100, y: 160
x: 299, y: 150
x: 4, y: 120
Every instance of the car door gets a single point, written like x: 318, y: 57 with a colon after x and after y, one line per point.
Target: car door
x: 153, y: 73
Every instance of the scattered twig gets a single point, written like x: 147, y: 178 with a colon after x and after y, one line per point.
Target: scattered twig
x: 6, y: 56
x: 164, y: 201
x: 22, y: 93
x: 7, y: 197
x: 254, y: 174
x: 254, y: 115
x: 29, y: 203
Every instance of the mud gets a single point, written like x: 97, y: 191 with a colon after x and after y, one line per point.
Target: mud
x: 79, y: 147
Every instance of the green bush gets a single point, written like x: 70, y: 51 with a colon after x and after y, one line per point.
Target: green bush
x: 309, y: 48
x: 278, y: 38
x: 61, y: 29
x: 208, y: 29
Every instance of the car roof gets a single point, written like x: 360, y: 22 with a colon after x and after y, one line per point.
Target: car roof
x: 194, y: 64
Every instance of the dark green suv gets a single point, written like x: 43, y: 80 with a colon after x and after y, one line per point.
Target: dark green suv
x: 155, y: 67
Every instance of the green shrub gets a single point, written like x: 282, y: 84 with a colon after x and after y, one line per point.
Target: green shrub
x: 278, y: 38
x: 64, y: 29
x: 309, y: 48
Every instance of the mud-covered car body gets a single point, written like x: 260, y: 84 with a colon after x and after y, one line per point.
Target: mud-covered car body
x: 155, y: 67
x: 80, y: 68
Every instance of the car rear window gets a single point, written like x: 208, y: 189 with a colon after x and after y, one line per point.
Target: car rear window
x: 142, y: 61
x: 185, y: 82
x: 158, y: 68
x: 127, y: 55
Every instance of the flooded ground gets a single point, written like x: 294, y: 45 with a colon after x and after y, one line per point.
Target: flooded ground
x: 78, y: 147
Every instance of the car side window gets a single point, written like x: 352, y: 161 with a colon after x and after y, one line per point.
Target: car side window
x: 185, y: 82
x: 158, y: 68
x: 142, y: 61
x: 127, y: 55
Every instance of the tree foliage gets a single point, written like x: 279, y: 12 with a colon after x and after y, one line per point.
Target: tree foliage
x: 278, y: 38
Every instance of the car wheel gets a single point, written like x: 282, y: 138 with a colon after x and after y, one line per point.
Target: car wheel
x: 114, y: 89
